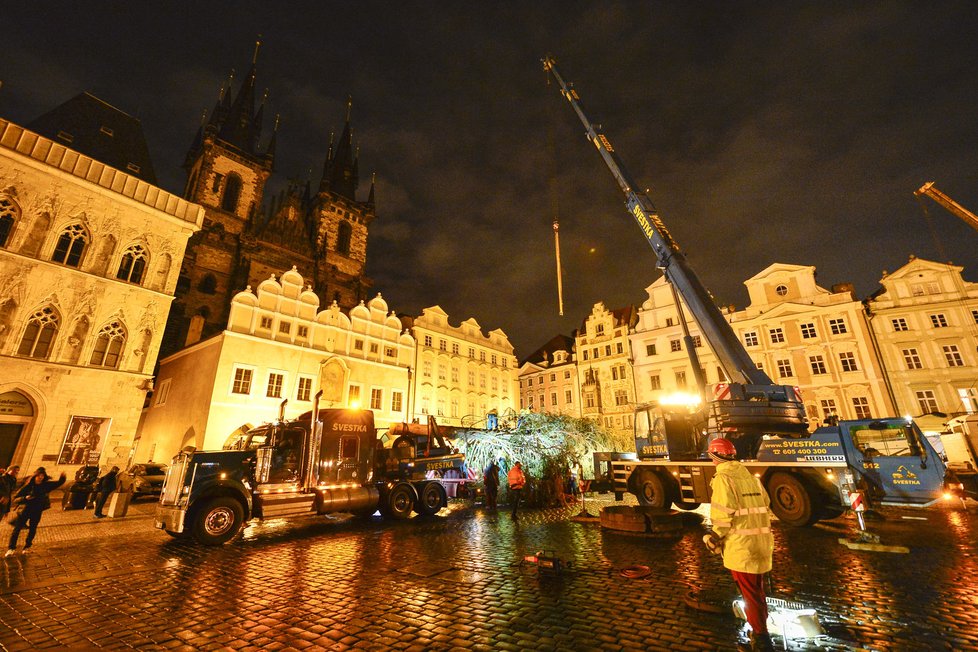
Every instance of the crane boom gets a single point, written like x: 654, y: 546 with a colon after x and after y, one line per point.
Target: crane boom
x: 786, y: 414
x: 952, y: 206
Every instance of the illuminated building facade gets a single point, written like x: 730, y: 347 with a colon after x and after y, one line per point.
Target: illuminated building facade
x: 90, y: 249
x: 548, y: 379
x: 460, y: 375
x: 925, y: 320
x: 604, y: 367
x: 799, y: 333
x: 321, y: 229
x: 278, y: 346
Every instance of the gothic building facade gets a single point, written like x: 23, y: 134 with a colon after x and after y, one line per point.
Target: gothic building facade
x: 322, y: 230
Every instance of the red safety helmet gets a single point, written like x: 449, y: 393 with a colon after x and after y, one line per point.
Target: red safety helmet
x: 722, y: 450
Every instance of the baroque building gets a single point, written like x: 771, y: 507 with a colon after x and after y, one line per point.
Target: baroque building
x: 90, y: 250
x: 460, y: 375
x: 797, y: 332
x: 321, y: 229
x: 604, y: 367
x: 279, y: 347
x: 548, y: 379
x: 925, y: 321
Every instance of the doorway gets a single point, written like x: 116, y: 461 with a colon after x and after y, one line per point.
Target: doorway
x: 9, y: 438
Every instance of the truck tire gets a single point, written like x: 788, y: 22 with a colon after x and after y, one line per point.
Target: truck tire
x: 791, y: 501
x: 431, y: 498
x: 651, y: 491
x: 399, y: 502
x: 217, y: 520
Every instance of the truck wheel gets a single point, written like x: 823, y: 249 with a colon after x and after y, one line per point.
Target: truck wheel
x: 400, y: 501
x: 791, y: 501
x: 431, y: 499
x: 651, y: 490
x: 217, y: 520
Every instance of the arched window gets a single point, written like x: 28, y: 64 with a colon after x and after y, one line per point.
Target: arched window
x: 133, y: 264
x: 71, y: 245
x: 208, y: 284
x: 39, y: 334
x: 343, y: 238
x: 232, y: 190
x: 9, y: 212
x: 108, y: 346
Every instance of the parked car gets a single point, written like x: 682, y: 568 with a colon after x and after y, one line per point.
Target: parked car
x: 146, y: 479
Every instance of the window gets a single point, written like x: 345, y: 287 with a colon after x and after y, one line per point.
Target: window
x: 599, y: 329
x: 650, y: 349
x: 242, y: 381
x: 938, y: 320
x: 670, y: 322
x: 655, y: 382
x: 344, y: 234
x: 390, y: 352
x: 848, y: 361
x: 619, y: 348
x: 495, y: 383
x: 614, y: 373
x: 588, y: 400
x: 784, y: 369
x: 443, y: 345
x: 376, y: 398
x: 305, y: 389
x: 427, y: 340
x: 397, y: 399
x: 71, y: 245
x: 133, y: 264
x: 455, y: 348
x: 285, y: 327
x: 358, y: 345
x: 265, y: 323
x: 442, y: 373
x: 454, y: 407
x: 974, y: 313
x: 274, y: 389
x: 495, y: 358
x: 374, y: 348
x: 750, y: 338
x: 108, y: 346
x: 482, y: 356
x: 675, y: 345
x: 471, y: 379
x: 354, y: 395
x: 232, y: 190
x: 818, y: 364
x: 697, y: 341
x: 482, y: 381
x: 808, y: 331
x: 828, y: 407
x: 952, y: 355
x: 208, y: 284
x: 777, y: 335
x: 926, y: 401
x: 162, y: 392
x: 505, y: 363
x: 216, y: 183
x: 891, y: 440
x: 594, y: 353
x: 912, y: 359
x: 681, y: 379
x: 39, y: 334
x: 9, y: 212
x: 838, y: 326
x: 455, y: 374
x: 607, y: 349
x: 553, y: 378
x: 969, y: 399
x: 721, y: 376
x: 781, y: 290
x: 621, y: 397
x: 899, y: 324
x: 542, y: 404
x: 529, y: 382
x: 568, y: 397
x: 303, y: 331
x: 861, y: 406
x: 529, y: 402
x: 585, y: 354
x: 553, y: 399
x: 566, y: 374
x: 471, y: 353
x: 426, y: 369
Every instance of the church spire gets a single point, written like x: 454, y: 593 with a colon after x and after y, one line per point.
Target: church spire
x: 340, y: 174
x: 240, y: 126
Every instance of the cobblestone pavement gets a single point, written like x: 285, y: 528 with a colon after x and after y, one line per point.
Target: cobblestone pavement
x: 455, y: 582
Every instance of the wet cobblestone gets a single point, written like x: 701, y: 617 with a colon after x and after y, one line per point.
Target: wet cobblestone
x: 456, y: 583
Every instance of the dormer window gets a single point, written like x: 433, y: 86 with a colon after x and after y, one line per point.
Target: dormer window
x: 107, y: 131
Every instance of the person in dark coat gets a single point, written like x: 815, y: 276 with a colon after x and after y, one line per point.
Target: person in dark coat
x: 33, y: 499
x: 106, y: 485
x: 8, y: 482
x: 490, y: 483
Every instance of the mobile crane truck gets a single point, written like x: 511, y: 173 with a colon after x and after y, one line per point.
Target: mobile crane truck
x: 809, y: 476
x: 333, y: 463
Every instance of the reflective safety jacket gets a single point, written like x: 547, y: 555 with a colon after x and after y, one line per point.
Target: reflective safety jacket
x: 740, y: 516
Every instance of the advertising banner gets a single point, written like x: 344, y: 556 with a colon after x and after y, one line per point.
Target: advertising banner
x: 84, y: 440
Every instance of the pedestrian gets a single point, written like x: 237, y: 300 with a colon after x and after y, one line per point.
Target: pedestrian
x: 516, y: 480
x: 8, y: 482
x: 106, y: 485
x: 742, y: 534
x: 33, y: 499
x: 490, y: 482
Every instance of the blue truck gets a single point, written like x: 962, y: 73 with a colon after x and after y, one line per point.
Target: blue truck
x: 809, y: 475
x: 332, y: 463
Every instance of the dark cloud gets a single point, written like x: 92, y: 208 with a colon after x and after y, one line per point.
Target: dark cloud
x: 766, y: 131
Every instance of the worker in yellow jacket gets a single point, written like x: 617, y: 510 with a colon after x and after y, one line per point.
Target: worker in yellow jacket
x: 742, y: 533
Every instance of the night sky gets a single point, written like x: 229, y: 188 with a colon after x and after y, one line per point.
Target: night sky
x: 767, y: 132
